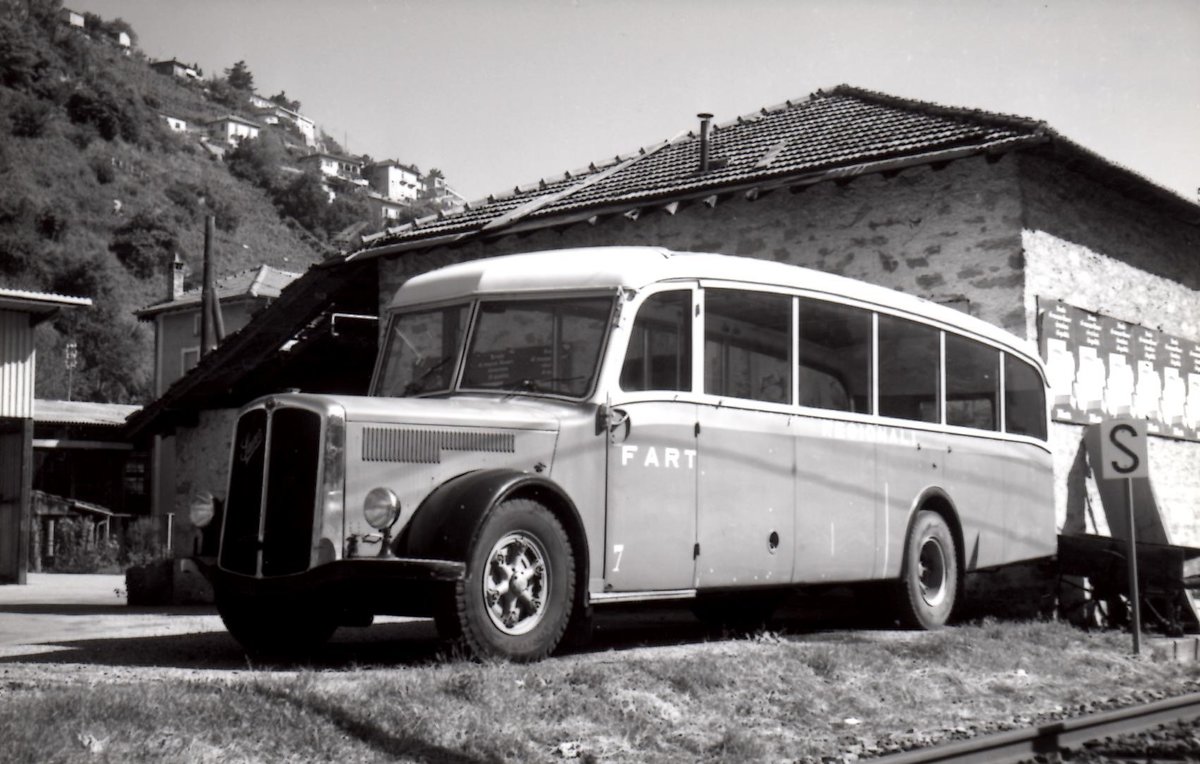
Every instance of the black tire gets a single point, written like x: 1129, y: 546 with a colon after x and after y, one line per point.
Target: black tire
x: 929, y: 582
x: 276, y: 629
x: 516, y: 599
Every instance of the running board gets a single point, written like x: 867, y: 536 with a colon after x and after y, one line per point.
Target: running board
x: 604, y: 598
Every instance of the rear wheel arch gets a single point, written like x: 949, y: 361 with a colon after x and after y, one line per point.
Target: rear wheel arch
x: 937, y: 500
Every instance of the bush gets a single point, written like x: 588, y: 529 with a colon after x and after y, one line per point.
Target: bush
x: 111, y: 115
x: 76, y: 551
x: 29, y: 118
x: 143, y: 244
x: 102, y: 167
x: 23, y: 64
x: 52, y: 225
x: 143, y: 543
x: 257, y: 160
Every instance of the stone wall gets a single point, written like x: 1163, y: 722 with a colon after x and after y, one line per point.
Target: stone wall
x: 943, y: 234
x: 1092, y: 247
x: 202, y: 464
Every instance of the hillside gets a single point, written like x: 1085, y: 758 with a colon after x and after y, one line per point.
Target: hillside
x: 96, y: 193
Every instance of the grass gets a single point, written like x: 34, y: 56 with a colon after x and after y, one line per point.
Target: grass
x: 768, y: 697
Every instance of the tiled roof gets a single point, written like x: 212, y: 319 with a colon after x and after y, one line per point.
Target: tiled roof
x: 263, y: 281
x: 842, y: 129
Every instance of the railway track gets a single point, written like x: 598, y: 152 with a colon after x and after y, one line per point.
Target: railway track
x: 1053, y: 737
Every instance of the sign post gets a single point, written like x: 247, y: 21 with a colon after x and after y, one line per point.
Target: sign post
x: 1123, y: 457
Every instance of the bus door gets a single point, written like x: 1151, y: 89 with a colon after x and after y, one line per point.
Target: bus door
x: 838, y: 515
x: 747, y: 491
x: 747, y: 498
x: 652, y: 462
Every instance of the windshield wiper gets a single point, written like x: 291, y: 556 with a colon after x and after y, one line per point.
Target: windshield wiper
x: 418, y: 384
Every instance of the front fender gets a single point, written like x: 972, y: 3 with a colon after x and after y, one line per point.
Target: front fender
x: 446, y: 524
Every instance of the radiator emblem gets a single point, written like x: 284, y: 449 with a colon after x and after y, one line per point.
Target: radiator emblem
x: 249, y: 446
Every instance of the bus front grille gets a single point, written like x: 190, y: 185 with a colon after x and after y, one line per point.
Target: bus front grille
x: 271, y: 509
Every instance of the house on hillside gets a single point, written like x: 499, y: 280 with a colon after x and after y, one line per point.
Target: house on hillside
x: 394, y: 180
x: 333, y: 165
x: 177, y: 327
x: 435, y: 190
x: 999, y: 215
x: 173, y: 68
x: 175, y: 124
x: 20, y: 312
x: 233, y: 129
x: 274, y: 114
x: 72, y: 18
x: 383, y: 208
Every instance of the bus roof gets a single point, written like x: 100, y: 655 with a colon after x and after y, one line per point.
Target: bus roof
x: 593, y: 268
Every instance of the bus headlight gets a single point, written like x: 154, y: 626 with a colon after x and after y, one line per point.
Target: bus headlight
x: 381, y: 508
x: 202, y: 509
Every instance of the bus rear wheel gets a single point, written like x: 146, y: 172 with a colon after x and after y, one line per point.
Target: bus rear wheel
x: 930, y: 578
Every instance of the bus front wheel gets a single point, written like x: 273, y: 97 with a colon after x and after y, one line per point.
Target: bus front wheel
x: 929, y: 582
x: 516, y: 599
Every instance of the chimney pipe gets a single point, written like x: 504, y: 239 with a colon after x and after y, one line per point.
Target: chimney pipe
x: 705, y: 121
x: 175, y: 277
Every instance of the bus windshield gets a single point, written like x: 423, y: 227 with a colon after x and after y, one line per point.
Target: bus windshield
x: 421, y: 350
x: 545, y: 345
x: 538, y: 346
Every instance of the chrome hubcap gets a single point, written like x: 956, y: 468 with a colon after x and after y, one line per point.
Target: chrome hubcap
x: 932, y: 572
x: 515, y: 583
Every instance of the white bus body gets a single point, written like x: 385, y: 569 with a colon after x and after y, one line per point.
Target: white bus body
x: 552, y: 431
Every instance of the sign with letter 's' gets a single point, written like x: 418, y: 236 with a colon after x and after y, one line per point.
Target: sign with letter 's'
x: 1123, y: 449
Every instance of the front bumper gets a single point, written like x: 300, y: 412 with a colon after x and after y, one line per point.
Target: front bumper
x: 387, y: 586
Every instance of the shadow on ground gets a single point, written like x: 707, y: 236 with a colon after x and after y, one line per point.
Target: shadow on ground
x: 394, y: 643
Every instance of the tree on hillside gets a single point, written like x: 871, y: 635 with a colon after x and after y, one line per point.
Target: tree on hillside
x: 143, y: 244
x: 305, y: 200
x: 281, y: 99
x: 239, y: 77
x: 23, y: 63
x: 257, y: 160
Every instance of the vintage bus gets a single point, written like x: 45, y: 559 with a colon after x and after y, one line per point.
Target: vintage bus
x: 550, y: 432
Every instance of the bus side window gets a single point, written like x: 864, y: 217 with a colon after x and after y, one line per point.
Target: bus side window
x: 972, y: 384
x: 747, y: 345
x: 834, y: 364
x: 659, y: 356
x: 1024, y: 399
x: 909, y: 369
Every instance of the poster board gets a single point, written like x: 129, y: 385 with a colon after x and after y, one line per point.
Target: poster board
x: 1100, y: 367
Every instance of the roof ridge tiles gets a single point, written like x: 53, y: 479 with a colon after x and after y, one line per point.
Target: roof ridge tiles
x: 936, y: 109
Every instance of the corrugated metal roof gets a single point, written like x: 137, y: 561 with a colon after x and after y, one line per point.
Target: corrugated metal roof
x: 39, y: 302
x: 81, y: 412
x: 263, y: 281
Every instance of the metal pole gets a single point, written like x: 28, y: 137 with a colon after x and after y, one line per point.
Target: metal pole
x: 1135, y: 600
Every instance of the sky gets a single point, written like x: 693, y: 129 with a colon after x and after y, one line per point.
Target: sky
x: 499, y: 93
